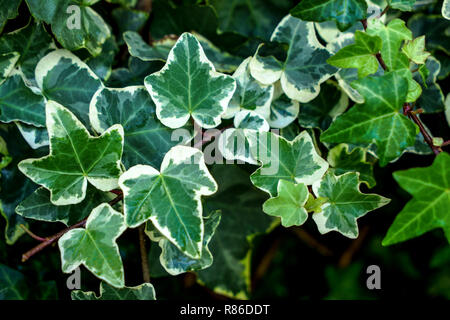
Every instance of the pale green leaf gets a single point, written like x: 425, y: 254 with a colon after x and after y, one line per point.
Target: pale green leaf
x: 144, y: 291
x: 403, y: 5
x: 75, y: 158
x: 283, y: 110
x: 446, y: 9
x: 360, y: 55
x: 428, y: 209
x: 170, y: 198
x: 345, y: 204
x: 189, y: 85
x: 304, y: 68
x: 7, y: 63
x: 415, y: 50
x: 95, y: 246
x: 288, y: 204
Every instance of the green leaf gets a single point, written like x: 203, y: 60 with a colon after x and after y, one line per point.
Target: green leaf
x: 414, y: 89
x: 64, y: 78
x: 101, y: 65
x: 296, y: 161
x: 19, y: 103
x: 91, y: 32
x: 415, y: 50
x: 428, y: 209
x: 12, y: 284
x: 146, y: 139
x: 360, y: 55
x: 170, y: 198
x: 95, y: 246
x: 251, y: 18
x: 36, y: 137
x: 75, y: 158
x: 435, y: 27
x: 378, y: 120
x: 289, y: 204
x: 403, y: 5
x: 304, y: 68
x: 138, y: 48
x: 344, y: 12
x: 345, y: 204
x: 7, y: 63
x: 392, y: 36
x: 283, y: 110
x: 32, y: 42
x: 144, y: 291
x: 242, y: 218
x: 179, y: 89
x: 129, y: 20
x: 39, y: 207
x: 10, y: 10
x: 343, y: 160
x: 250, y: 94
x: 175, y: 262
x: 321, y: 112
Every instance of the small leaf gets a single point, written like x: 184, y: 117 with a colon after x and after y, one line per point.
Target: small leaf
x: 415, y: 50
x: 283, y: 110
x: 428, y: 209
x: 75, y: 158
x: 144, y: 291
x: 304, y: 68
x: 189, y: 85
x: 345, y: 204
x: 288, y: 204
x: 296, y: 161
x: 170, y: 198
x: 360, y: 55
x: 432, y: 98
x: 403, y: 5
x: 344, y: 12
x: 95, y: 246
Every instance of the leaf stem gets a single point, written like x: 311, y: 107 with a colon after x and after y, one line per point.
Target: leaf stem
x: 52, y: 239
x: 383, y: 12
x: 31, y: 234
x: 144, y: 255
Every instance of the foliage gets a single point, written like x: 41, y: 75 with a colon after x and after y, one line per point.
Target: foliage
x: 215, y: 129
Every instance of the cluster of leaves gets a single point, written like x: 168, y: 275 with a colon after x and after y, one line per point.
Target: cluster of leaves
x: 98, y: 125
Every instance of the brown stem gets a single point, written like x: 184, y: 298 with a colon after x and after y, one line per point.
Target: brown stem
x: 52, y: 239
x: 144, y: 255
x: 364, y: 23
x: 383, y: 12
x: 355, y: 245
x: 312, y: 242
x: 265, y: 263
x: 31, y: 234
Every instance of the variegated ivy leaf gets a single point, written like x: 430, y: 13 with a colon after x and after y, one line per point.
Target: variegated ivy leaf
x: 359, y: 55
x: 415, y: 50
x: 175, y: 262
x: 289, y: 203
x: 73, y: 22
x: 146, y: 139
x: 144, y: 291
x: 10, y: 10
x: 36, y: 137
x: 39, y: 207
x: 321, y: 112
x: 7, y: 63
x: 233, y: 143
x: 189, y: 85
x: 64, y: 78
x: 95, y: 246
x: 19, y: 103
x: 344, y: 12
x: 75, y: 158
x: 250, y: 94
x: 170, y: 198
x: 32, y: 42
x: 392, y: 36
x: 428, y: 209
x: 296, y: 161
x: 446, y: 9
x: 343, y: 160
x: 283, y: 110
x: 101, y: 64
x: 345, y: 204
x: 378, y: 120
x: 432, y: 98
x: 304, y: 68
x: 403, y: 5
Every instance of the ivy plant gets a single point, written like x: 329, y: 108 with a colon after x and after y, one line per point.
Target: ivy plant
x: 202, y: 127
